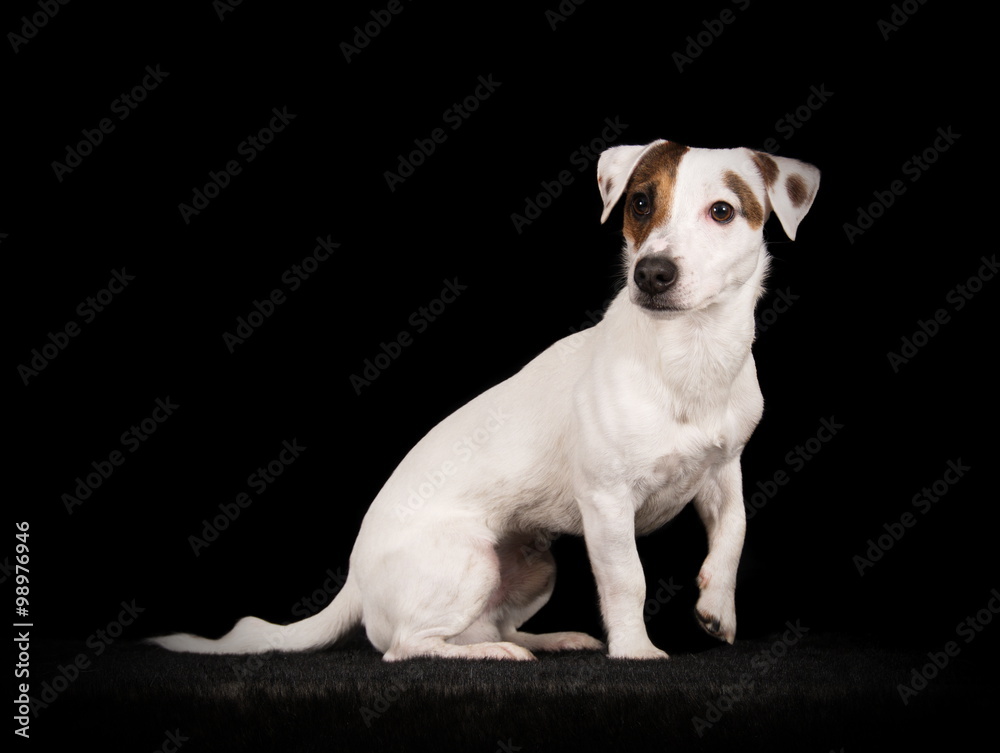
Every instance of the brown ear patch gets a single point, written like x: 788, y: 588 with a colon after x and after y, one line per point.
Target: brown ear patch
x: 798, y: 193
x: 750, y: 207
x: 655, y: 175
x: 768, y: 168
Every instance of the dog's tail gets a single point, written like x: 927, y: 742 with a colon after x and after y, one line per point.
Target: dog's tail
x: 252, y: 635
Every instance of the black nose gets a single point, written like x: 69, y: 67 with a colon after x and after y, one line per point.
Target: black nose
x: 654, y: 274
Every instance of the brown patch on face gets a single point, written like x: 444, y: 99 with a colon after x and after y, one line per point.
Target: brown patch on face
x: 768, y: 168
x: 655, y: 176
x: 798, y: 193
x: 750, y: 207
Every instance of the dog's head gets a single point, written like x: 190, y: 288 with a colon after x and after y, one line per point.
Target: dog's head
x: 694, y: 218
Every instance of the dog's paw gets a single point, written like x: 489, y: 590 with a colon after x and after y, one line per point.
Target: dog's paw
x: 647, y: 651
x: 716, y: 613
x: 503, y: 650
x: 570, y: 641
x: 500, y: 650
x: 565, y: 641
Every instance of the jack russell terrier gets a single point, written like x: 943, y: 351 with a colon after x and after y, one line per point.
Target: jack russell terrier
x: 607, y: 434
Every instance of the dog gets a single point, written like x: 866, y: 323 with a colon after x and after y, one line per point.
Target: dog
x: 607, y: 434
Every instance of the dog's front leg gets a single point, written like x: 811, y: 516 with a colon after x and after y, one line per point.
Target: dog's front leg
x: 720, y: 505
x: 609, y: 531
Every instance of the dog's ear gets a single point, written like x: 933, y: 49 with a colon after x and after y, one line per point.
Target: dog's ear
x: 791, y: 187
x: 614, y: 168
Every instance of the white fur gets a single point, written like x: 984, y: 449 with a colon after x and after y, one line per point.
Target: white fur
x: 608, y: 434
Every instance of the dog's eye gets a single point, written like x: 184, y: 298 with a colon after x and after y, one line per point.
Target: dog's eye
x: 641, y: 204
x: 722, y: 212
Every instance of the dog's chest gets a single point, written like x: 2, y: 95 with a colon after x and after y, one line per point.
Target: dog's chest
x: 674, y: 477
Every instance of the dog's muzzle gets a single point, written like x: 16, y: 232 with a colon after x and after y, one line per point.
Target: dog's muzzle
x: 653, y: 276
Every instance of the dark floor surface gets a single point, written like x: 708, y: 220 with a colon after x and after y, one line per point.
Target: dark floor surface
x: 789, y: 692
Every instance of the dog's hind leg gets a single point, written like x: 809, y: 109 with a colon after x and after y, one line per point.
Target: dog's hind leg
x: 528, y: 575
x: 440, y: 606
x: 438, y: 646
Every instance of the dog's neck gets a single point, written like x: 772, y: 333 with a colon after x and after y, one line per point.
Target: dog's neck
x: 699, y: 353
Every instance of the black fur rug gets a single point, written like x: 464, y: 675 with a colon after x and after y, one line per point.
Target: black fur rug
x: 789, y: 692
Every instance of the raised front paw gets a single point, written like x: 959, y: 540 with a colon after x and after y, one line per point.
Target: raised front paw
x: 716, y: 613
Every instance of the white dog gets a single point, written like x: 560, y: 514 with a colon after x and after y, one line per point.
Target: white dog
x: 609, y: 433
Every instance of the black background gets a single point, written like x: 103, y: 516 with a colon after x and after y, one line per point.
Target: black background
x: 324, y: 176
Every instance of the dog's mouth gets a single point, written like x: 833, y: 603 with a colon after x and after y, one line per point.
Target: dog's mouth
x: 660, y: 304
x: 674, y: 301
x: 653, y: 305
